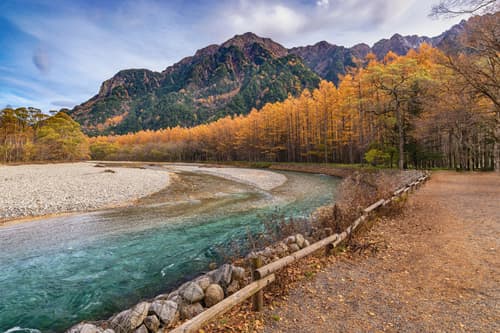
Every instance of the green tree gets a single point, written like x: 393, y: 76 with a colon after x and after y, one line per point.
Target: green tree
x: 61, y: 138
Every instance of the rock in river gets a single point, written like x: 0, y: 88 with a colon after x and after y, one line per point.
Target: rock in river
x: 222, y: 276
x: 167, y: 311
x: 128, y: 320
x: 152, y: 323
x: 192, y: 293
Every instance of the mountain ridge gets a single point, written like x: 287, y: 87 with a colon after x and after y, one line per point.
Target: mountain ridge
x: 230, y: 78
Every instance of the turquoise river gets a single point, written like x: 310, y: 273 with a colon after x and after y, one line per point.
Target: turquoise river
x: 55, y: 272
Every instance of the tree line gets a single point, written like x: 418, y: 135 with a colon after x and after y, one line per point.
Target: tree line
x: 27, y: 134
x: 425, y: 109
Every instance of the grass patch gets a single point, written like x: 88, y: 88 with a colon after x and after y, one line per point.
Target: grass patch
x: 275, y: 317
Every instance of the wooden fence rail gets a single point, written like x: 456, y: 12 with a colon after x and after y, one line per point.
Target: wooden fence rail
x: 264, y: 275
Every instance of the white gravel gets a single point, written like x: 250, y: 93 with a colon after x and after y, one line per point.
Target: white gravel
x: 34, y: 190
x: 262, y: 179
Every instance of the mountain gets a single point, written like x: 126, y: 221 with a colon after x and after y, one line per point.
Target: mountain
x: 398, y: 44
x: 245, y: 72
x: 325, y: 59
x: 329, y: 60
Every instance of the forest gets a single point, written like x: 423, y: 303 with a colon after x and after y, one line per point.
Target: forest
x: 27, y: 134
x: 422, y: 110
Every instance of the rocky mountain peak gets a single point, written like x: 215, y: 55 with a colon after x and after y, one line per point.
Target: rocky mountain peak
x: 127, y: 79
x: 361, y: 50
x: 248, y: 39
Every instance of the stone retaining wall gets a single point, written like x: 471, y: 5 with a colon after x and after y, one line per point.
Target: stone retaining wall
x: 165, y: 311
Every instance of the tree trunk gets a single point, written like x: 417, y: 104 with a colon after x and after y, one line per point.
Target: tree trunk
x: 399, y: 119
x: 496, y: 145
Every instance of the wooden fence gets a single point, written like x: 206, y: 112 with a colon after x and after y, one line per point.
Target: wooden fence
x: 263, y: 276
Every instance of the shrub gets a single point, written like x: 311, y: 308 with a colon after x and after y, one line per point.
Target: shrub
x: 377, y: 157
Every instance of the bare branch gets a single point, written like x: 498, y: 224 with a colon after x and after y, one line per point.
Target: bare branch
x: 453, y: 8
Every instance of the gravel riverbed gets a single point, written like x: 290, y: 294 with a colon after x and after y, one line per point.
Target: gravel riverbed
x: 35, y: 190
x: 262, y: 179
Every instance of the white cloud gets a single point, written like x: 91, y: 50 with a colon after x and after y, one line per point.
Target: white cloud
x: 264, y: 19
x: 323, y: 3
x: 297, y: 22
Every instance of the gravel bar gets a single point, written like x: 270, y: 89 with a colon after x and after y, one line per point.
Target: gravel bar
x: 35, y: 190
x: 262, y: 179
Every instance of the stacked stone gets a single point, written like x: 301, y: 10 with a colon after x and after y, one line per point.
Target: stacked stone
x: 281, y: 249
x: 166, y: 310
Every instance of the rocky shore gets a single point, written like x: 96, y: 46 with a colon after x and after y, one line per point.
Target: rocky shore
x: 36, y: 190
x: 166, y: 311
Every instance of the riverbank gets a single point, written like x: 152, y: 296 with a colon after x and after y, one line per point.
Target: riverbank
x: 46, y: 189
x: 32, y: 191
x: 406, y: 273
x: 261, y: 179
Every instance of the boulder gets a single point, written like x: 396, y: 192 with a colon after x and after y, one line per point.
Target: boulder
x: 152, y: 322
x: 213, y: 295
x: 290, y: 240
x: 167, y: 311
x: 192, y: 293
x: 176, y: 299
x: 203, y: 281
x: 293, y: 247
x: 299, y: 240
x: 162, y: 296
x: 233, y: 287
x: 222, y: 275
x: 182, y: 287
x: 84, y: 328
x: 238, y: 273
x: 141, y: 329
x: 267, y: 252
x: 281, y: 249
x: 172, y: 295
x: 252, y: 255
x: 189, y: 311
x: 306, y: 243
x: 128, y: 320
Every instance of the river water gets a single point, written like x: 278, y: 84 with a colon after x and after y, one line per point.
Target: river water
x: 55, y: 272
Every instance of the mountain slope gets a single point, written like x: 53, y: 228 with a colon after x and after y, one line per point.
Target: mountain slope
x: 325, y: 59
x: 245, y: 72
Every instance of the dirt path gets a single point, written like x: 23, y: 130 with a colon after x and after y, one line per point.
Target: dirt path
x: 438, y: 269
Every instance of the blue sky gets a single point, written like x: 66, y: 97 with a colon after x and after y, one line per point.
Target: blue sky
x: 56, y: 53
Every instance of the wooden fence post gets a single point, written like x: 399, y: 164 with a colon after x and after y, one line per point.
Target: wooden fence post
x: 258, y: 298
